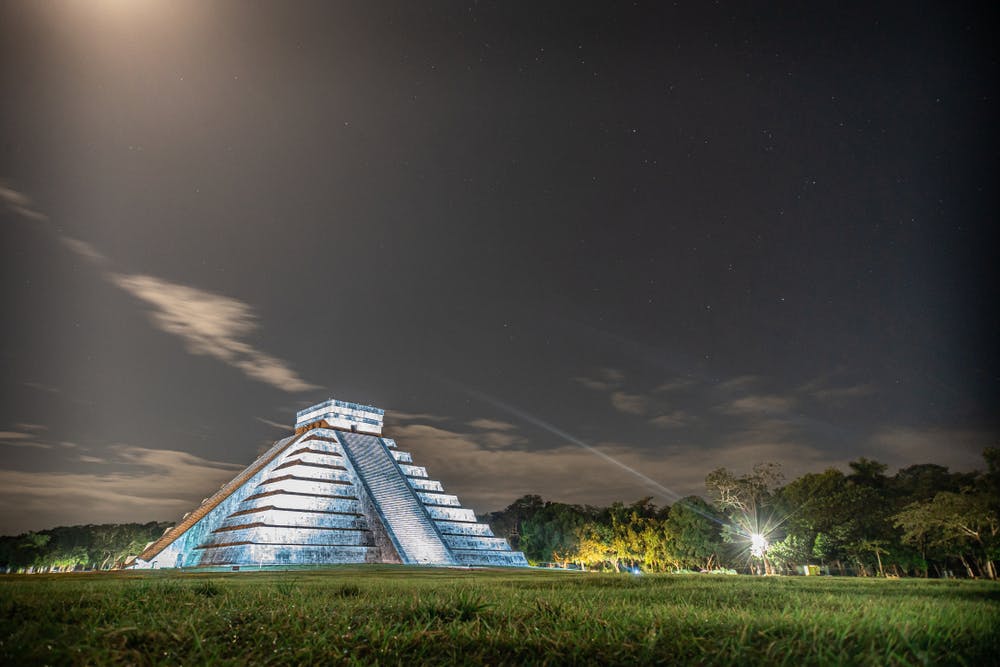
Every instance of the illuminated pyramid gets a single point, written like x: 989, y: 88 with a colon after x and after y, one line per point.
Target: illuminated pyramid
x: 335, y: 492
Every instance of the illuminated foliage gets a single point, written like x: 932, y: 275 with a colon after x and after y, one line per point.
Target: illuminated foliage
x: 77, y: 547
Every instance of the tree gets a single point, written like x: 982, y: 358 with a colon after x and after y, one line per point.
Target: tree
x: 594, y: 545
x: 77, y: 546
x: 868, y: 472
x: 745, y: 500
x: 745, y: 494
x: 694, y: 528
x: 814, y: 505
x: 876, y: 547
x: 628, y: 525
x: 33, y: 548
x: 869, y: 501
x: 550, y: 534
x: 656, y: 542
x: 960, y: 524
x: 791, y: 551
x: 923, y: 481
x: 509, y: 522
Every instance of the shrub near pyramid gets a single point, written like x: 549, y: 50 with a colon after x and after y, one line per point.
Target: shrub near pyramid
x: 334, y: 492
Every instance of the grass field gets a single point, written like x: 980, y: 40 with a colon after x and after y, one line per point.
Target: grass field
x: 393, y: 615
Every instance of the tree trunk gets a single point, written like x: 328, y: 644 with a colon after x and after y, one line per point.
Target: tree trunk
x: 881, y: 572
x: 968, y: 568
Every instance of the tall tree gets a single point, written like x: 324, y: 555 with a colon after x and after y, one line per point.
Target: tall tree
x: 961, y: 524
x: 747, y: 502
x: 551, y: 533
x: 695, y: 531
x: 509, y: 522
x: 814, y: 505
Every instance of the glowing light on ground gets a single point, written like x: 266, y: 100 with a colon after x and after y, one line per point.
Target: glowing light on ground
x: 758, y: 545
x: 756, y: 535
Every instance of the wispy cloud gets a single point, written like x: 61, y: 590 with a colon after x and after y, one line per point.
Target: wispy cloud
x: 133, y: 484
x: 500, y: 439
x: 739, y: 382
x: 764, y: 431
x: 633, y: 404
x: 28, y: 444
x: 961, y: 449
x: 83, y: 249
x: 283, y: 427
x: 488, y: 433
x: 610, y: 381
x: 32, y: 436
x: 674, y: 384
x: 837, y: 394
x: 491, y: 425
x: 210, y: 325
x: 26, y: 435
x: 19, y: 203
x: 392, y: 416
x: 38, y: 386
x: 606, y: 379
x: 675, y: 419
x: 759, y: 404
x: 835, y: 387
x: 31, y: 427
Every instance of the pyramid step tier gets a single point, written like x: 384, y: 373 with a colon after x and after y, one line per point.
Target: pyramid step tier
x: 478, y: 558
x: 430, y: 485
x: 464, y: 528
x: 300, y: 518
x: 249, y: 555
x: 290, y: 535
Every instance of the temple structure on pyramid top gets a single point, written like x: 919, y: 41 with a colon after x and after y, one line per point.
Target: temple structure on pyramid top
x: 334, y: 492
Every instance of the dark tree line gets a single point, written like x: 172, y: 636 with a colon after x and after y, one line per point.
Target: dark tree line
x: 922, y: 521
x: 67, y: 548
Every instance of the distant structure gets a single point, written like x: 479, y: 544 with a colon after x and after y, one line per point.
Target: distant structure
x: 335, y: 492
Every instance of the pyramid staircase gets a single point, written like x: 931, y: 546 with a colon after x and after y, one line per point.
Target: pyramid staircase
x: 414, y: 534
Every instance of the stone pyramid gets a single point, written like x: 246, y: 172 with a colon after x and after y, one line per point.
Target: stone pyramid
x: 335, y: 492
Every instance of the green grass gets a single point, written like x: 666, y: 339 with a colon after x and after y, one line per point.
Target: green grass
x: 396, y: 615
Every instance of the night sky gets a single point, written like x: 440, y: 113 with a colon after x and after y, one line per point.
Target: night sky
x: 688, y: 237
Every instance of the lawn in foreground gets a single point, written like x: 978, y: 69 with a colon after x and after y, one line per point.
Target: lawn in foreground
x: 395, y: 615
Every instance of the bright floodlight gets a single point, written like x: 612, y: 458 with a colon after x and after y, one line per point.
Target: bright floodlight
x: 758, y: 545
